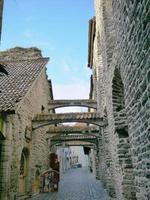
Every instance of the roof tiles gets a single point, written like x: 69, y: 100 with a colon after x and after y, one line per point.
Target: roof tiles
x: 21, y: 75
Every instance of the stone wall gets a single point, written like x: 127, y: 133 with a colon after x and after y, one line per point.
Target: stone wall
x: 105, y: 165
x: 121, y: 50
x: 20, y: 53
x: 19, y: 137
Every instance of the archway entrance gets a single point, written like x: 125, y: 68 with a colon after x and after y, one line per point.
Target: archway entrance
x: 121, y: 131
x: 24, y: 165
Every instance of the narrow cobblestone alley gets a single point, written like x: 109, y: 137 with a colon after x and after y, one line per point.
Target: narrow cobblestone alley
x: 74, y: 100
x: 76, y: 184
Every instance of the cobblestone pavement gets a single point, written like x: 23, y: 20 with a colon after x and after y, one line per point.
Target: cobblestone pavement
x: 76, y: 184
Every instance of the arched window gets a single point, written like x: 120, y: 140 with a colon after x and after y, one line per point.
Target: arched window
x: 24, y: 163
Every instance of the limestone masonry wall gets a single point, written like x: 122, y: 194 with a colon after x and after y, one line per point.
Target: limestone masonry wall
x: 122, y: 67
x: 20, y: 138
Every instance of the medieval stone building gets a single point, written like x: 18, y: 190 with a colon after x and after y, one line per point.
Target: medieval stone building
x: 119, y: 59
x: 24, y: 92
x: 119, y: 97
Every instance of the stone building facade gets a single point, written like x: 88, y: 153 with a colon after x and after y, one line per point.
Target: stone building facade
x: 23, y: 93
x: 119, y: 59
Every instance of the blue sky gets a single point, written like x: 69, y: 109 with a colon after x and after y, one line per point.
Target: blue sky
x: 60, y: 29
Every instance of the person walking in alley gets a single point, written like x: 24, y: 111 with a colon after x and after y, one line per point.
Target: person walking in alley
x: 48, y: 181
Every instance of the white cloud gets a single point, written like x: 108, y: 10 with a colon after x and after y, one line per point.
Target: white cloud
x: 79, y: 90
x: 71, y: 109
x: 28, y: 34
x: 29, y: 19
x: 65, y: 66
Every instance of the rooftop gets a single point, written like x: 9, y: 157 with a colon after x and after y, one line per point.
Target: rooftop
x: 21, y: 75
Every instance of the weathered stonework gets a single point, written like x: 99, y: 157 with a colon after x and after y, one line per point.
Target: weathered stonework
x: 121, y: 88
x: 20, y: 53
x: 20, y: 141
x: 119, y: 58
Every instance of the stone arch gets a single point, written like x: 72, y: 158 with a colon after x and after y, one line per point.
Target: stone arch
x: 77, y: 105
x: 76, y: 140
x: 23, y: 171
x: 74, y: 134
x: 79, y: 143
x: 95, y: 122
x: 62, y: 103
x: 123, y: 145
